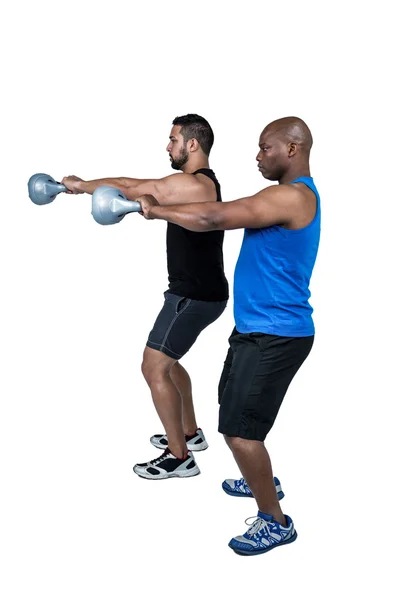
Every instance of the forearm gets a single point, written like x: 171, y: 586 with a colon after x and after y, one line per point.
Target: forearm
x: 130, y: 187
x: 88, y: 187
x: 201, y: 216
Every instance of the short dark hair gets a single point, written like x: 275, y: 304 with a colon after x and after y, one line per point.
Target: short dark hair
x: 194, y: 126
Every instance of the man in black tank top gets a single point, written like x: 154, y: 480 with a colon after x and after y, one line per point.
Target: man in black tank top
x: 197, y: 293
x: 195, y: 262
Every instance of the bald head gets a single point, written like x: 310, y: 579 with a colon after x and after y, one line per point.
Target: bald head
x: 284, y: 153
x: 291, y: 129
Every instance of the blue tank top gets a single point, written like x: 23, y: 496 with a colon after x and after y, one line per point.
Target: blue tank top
x: 272, y: 276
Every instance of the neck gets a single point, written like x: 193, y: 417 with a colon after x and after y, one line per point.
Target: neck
x: 193, y: 165
x: 298, y: 171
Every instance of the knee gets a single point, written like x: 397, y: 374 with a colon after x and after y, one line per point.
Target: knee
x: 145, y: 369
x: 153, y: 371
x: 150, y: 370
x: 236, y: 444
x: 227, y: 439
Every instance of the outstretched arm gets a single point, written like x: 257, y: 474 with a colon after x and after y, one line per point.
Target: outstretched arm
x: 80, y: 186
x: 276, y: 205
x: 173, y: 189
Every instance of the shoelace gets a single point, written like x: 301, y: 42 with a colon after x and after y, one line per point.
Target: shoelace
x: 160, y: 458
x: 256, y: 526
x: 242, y: 485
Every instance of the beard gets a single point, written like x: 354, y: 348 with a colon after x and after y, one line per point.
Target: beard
x: 177, y: 163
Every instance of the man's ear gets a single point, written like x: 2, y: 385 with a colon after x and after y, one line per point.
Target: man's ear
x: 193, y: 145
x: 292, y: 149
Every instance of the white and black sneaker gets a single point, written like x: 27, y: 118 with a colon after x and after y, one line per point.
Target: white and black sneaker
x: 194, y: 442
x: 168, y: 465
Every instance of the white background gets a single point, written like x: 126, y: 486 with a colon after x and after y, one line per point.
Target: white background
x: 91, y: 89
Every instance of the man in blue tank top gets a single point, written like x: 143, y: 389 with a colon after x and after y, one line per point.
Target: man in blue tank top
x: 274, y: 330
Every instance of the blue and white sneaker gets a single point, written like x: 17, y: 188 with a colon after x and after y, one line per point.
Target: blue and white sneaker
x: 263, y: 535
x: 239, y: 487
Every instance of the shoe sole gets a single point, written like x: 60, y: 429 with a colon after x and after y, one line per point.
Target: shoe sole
x: 190, y: 473
x: 280, y: 494
x: 254, y: 553
x: 192, y: 448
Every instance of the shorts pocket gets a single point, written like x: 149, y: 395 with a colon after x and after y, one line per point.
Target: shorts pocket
x: 181, y: 305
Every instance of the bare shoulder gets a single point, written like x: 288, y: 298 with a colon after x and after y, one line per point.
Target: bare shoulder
x: 296, y: 201
x: 291, y: 192
x: 305, y: 201
x: 181, y: 188
x: 302, y: 190
x: 206, y: 182
x: 283, y: 194
x: 198, y: 180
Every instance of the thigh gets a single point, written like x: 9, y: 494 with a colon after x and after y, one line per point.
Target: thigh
x: 263, y: 367
x: 280, y: 359
x: 180, y: 322
x: 226, y: 369
x: 161, y: 325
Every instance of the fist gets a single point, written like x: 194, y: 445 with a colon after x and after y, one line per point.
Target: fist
x: 147, y: 202
x: 72, y: 184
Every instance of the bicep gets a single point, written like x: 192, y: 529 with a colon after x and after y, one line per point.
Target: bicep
x: 180, y: 188
x: 183, y: 188
x: 133, y: 188
x: 253, y: 212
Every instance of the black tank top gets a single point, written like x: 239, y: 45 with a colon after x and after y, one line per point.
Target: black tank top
x: 195, y: 260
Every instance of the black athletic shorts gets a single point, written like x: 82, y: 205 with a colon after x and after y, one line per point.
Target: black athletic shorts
x: 180, y: 322
x: 256, y: 375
